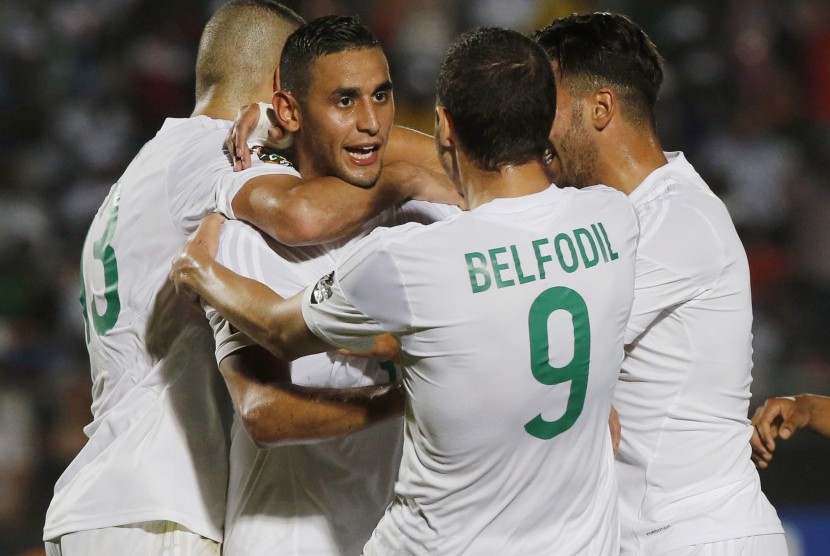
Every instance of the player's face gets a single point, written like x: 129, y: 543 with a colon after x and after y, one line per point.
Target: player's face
x: 576, y: 160
x: 347, y: 115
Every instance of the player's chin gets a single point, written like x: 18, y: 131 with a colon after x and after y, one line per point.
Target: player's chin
x: 364, y: 179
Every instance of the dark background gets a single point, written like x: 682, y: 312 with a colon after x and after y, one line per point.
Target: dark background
x: 84, y: 83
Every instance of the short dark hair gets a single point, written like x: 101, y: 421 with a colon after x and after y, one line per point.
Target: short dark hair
x: 498, y: 88
x: 609, y: 47
x: 325, y: 35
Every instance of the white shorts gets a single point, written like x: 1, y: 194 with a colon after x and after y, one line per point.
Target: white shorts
x: 156, y: 538
x: 760, y: 545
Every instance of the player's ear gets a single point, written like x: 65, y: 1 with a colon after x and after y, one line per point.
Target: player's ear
x: 287, y: 110
x: 444, y: 130
x: 603, y: 107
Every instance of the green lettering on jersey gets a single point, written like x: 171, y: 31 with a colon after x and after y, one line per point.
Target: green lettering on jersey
x: 582, y: 236
x: 522, y: 278
x: 614, y: 254
x: 575, y: 371
x: 477, y: 269
x: 540, y: 258
x: 498, y: 267
x: 565, y: 239
x: 600, y: 242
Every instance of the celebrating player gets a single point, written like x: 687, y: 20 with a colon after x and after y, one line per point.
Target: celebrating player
x: 153, y: 476
x: 687, y: 485
x: 321, y: 498
x: 510, y: 318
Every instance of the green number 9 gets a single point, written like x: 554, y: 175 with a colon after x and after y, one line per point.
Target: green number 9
x: 575, y: 372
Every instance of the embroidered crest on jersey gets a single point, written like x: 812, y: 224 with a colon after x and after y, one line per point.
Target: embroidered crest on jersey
x: 322, y: 290
x: 271, y: 157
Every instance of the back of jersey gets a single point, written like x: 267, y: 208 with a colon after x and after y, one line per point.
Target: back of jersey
x: 511, y: 319
x: 159, y: 405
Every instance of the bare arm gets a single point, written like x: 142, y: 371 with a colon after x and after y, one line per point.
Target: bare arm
x: 412, y: 146
x: 297, y: 211
x: 405, y: 144
x: 275, y: 412
x: 300, y: 212
x: 781, y: 417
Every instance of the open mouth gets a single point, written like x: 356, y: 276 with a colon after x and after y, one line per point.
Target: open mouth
x: 365, y: 155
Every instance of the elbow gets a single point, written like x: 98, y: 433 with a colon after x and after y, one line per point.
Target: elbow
x: 276, y: 343
x: 292, y: 222
x: 261, y: 427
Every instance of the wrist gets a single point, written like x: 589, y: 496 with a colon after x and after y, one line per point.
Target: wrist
x: 807, y: 403
x: 394, y: 182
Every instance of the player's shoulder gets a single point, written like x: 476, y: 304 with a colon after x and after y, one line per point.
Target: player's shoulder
x: 600, y: 195
x: 606, y: 201
x: 396, y: 241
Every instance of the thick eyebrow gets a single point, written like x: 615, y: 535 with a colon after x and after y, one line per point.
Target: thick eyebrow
x: 354, y: 92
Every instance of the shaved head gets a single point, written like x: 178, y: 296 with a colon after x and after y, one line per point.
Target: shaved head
x: 240, y: 48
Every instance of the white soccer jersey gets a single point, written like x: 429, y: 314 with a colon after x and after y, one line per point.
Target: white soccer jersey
x: 511, y: 319
x: 684, y: 466
x: 158, y: 403
x: 321, y: 499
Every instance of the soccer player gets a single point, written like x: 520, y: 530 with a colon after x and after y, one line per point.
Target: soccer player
x: 152, y: 478
x: 687, y: 485
x: 510, y: 318
x: 781, y: 417
x: 321, y: 498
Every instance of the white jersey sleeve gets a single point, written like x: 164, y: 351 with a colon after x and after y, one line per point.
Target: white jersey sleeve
x: 220, y: 184
x: 247, y: 252
x: 424, y: 212
x: 365, y: 296
x: 665, y: 279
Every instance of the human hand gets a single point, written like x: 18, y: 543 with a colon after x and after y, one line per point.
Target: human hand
x: 385, y: 347
x: 255, y: 126
x: 777, y: 418
x: 198, y: 253
x: 616, y: 430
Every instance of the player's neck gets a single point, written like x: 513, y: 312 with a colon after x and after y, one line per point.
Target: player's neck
x: 222, y: 105
x: 482, y: 186
x: 630, y: 160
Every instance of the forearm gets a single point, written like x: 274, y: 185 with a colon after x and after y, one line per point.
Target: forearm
x: 253, y: 308
x: 413, y: 147
x: 315, y: 210
x: 818, y: 408
x: 278, y: 412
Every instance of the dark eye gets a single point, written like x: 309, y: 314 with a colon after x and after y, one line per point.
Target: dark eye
x: 381, y: 96
x: 345, y: 102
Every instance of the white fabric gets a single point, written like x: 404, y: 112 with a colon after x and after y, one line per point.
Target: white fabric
x: 759, y: 545
x: 684, y: 467
x: 157, y: 440
x: 473, y: 480
x: 325, y: 498
x: 156, y: 538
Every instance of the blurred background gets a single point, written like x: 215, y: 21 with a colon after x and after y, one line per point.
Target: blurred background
x: 84, y: 83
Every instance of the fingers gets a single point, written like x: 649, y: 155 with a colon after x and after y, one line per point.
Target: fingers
x: 616, y: 430
x: 760, y: 455
x: 237, y: 142
x: 766, y: 421
x: 385, y: 347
